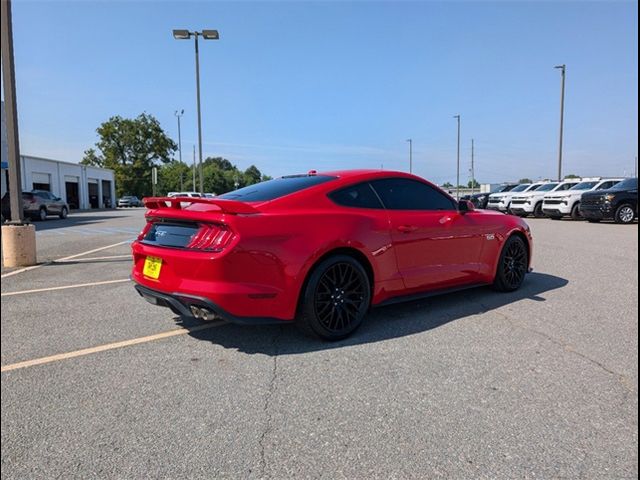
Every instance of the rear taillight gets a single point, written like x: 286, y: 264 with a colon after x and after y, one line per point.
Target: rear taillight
x: 211, y: 238
x: 144, y: 231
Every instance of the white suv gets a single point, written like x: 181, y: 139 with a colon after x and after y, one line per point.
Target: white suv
x: 502, y: 201
x: 558, y: 205
x: 530, y: 202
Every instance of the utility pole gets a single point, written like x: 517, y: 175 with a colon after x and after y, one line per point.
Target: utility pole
x: 457, y: 117
x: 18, y: 238
x: 473, y: 173
x: 194, y: 168
x: 178, y: 115
x: 410, y: 155
x: 563, y: 70
x: 10, y: 105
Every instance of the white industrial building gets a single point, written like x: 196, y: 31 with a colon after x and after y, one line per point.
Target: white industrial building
x: 79, y: 185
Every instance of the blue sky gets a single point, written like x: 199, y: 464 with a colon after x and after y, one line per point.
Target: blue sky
x: 293, y: 86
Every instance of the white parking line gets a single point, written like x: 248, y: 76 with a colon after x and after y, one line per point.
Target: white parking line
x: 64, y: 287
x: 108, y: 346
x: 26, y: 269
x: 91, y: 259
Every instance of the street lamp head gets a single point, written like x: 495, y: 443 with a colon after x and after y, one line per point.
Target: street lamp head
x: 181, y: 34
x: 560, y: 66
x: 210, y: 34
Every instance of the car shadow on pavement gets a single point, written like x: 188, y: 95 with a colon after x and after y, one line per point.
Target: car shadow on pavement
x: 381, y: 324
x: 71, y: 221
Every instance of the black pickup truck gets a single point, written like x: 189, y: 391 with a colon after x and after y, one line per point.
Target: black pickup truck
x: 619, y: 203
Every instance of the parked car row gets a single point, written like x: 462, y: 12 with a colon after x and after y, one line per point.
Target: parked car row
x: 594, y: 199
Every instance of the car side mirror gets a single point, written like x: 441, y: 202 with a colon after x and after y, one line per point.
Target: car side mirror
x: 465, y: 206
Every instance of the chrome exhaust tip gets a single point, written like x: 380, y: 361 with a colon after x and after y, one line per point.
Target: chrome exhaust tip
x: 202, y: 313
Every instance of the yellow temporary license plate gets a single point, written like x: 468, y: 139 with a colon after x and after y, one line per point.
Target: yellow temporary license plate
x: 152, y: 266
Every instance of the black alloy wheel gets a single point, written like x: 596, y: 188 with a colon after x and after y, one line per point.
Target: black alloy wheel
x: 42, y: 214
x: 512, y: 268
x: 336, y: 298
x: 64, y: 213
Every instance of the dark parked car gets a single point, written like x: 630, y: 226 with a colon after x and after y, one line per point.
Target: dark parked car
x: 37, y: 205
x: 618, y: 203
x: 480, y: 200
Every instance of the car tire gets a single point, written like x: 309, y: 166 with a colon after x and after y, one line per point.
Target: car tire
x: 593, y: 220
x: 625, y: 214
x: 537, y: 211
x: 575, y: 212
x: 42, y: 214
x: 512, y: 265
x: 322, y: 311
x: 64, y: 213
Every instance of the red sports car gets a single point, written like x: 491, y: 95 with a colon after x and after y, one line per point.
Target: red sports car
x: 321, y: 249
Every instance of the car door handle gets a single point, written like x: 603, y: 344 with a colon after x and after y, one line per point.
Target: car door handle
x: 407, y: 228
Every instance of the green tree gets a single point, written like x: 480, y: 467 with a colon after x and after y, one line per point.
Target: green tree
x: 525, y: 180
x: 473, y: 184
x: 175, y: 176
x: 131, y: 147
x: 252, y: 175
x: 447, y: 185
x: 570, y: 176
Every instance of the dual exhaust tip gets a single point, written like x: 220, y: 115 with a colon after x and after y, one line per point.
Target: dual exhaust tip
x: 202, y: 313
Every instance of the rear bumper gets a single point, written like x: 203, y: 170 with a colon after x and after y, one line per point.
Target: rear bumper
x: 181, y: 303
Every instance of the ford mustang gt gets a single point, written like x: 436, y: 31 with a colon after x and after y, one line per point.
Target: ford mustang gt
x: 321, y: 249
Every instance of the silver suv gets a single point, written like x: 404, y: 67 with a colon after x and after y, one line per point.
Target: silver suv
x: 38, y: 204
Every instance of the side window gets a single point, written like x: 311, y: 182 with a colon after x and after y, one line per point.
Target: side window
x: 43, y: 195
x: 407, y: 194
x: 606, y: 185
x: 357, y: 196
x: 566, y: 186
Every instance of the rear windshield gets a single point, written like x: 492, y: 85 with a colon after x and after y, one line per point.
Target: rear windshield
x: 628, y: 184
x: 506, y: 188
x: 276, y: 188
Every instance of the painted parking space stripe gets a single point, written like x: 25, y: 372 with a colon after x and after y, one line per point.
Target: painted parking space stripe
x: 92, y: 259
x: 82, y: 254
x: 64, y: 287
x: 108, y: 346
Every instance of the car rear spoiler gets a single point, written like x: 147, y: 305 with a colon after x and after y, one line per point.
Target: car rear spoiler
x: 226, y: 206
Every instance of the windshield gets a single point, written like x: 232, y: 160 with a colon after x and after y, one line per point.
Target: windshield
x: 584, y: 186
x: 278, y: 187
x: 547, y: 187
x: 506, y: 188
x: 521, y: 188
x: 628, y: 184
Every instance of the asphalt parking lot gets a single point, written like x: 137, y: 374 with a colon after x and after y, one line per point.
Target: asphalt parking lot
x: 540, y: 383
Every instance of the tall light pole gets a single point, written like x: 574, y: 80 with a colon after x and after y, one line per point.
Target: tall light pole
x: 207, y: 35
x: 563, y: 71
x: 178, y: 114
x: 457, y: 117
x: 410, y: 155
